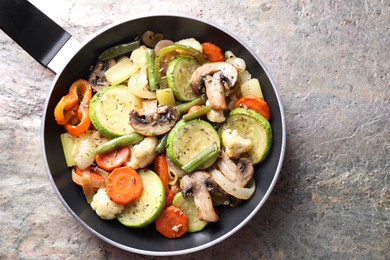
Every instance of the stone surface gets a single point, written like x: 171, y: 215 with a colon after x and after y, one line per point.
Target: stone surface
x: 330, y: 61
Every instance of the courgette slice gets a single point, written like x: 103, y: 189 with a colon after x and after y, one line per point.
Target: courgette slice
x: 251, y: 125
x: 167, y: 53
x: 189, y: 207
x: 148, y: 206
x: 179, y: 74
x: 188, y: 139
x: 109, y: 110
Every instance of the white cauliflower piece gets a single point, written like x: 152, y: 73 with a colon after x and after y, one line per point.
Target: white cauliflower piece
x: 138, y: 56
x: 192, y: 43
x: 216, y: 116
x: 235, y: 144
x: 104, y: 206
x: 143, y: 153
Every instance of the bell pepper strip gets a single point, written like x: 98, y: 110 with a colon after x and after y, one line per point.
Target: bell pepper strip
x: 72, y: 111
x: 212, y: 52
x: 169, y: 52
x: 62, y: 111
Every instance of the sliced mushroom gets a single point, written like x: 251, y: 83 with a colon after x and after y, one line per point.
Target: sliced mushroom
x: 215, y: 92
x: 96, y: 79
x: 228, y: 76
x: 151, y: 38
x: 239, y: 173
x: 221, y: 198
x: 198, y: 184
x: 151, y: 122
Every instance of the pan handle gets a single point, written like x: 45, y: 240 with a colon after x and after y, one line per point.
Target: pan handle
x: 36, y: 33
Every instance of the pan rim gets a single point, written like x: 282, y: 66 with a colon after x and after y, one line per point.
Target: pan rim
x: 210, y: 243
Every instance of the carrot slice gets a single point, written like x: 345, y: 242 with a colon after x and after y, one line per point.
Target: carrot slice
x: 172, y: 222
x: 161, y: 168
x: 255, y: 103
x: 124, y: 185
x: 113, y: 159
x: 212, y: 52
x: 194, y: 108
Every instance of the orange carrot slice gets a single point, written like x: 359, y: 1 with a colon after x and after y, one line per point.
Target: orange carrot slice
x: 113, y: 159
x: 172, y: 222
x: 212, y: 52
x: 255, y: 103
x: 124, y: 185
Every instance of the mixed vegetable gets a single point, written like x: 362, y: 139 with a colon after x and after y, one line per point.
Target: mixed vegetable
x: 164, y: 132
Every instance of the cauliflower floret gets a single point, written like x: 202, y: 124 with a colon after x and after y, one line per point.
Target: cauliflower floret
x: 104, y: 206
x: 192, y: 43
x: 143, y: 154
x: 138, y: 56
x: 216, y: 116
x: 235, y: 144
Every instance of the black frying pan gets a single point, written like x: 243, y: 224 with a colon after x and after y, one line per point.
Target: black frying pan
x: 45, y: 41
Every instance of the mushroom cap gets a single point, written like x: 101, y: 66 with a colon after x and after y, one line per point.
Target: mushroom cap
x: 229, y: 75
x: 96, y: 78
x: 153, y: 123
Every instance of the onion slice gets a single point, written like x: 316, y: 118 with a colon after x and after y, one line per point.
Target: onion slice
x: 232, y: 188
x: 86, y: 184
x: 95, y: 182
x: 102, y: 172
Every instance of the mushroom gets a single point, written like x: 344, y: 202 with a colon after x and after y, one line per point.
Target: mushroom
x: 153, y: 122
x: 228, y: 76
x: 239, y: 173
x: 96, y: 79
x: 199, y: 184
x: 215, y: 91
x: 221, y: 198
x: 151, y: 38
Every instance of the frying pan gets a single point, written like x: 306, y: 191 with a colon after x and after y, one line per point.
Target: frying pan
x: 55, y: 48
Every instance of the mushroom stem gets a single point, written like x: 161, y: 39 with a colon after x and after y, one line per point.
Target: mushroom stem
x: 198, y: 185
x: 228, y: 76
x: 215, y: 92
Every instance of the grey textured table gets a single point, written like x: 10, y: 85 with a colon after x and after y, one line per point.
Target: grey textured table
x: 330, y: 61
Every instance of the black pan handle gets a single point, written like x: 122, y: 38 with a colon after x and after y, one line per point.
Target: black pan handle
x: 31, y: 29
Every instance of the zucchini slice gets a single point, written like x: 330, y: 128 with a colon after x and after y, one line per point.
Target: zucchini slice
x: 109, y: 110
x: 179, y: 74
x: 189, y: 207
x: 187, y: 139
x: 148, y: 206
x: 250, y: 124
